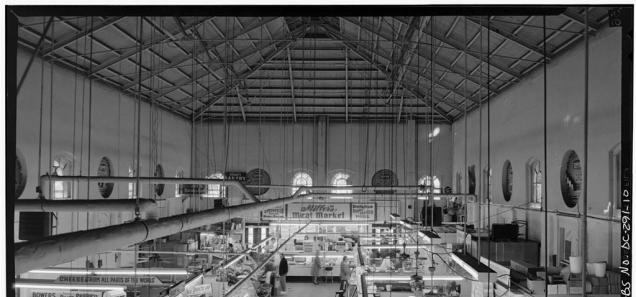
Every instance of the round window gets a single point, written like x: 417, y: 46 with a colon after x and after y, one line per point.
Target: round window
x: 20, y: 174
x: 384, y: 178
x: 159, y: 173
x: 506, y: 180
x: 571, y: 178
x: 258, y: 177
x: 105, y: 169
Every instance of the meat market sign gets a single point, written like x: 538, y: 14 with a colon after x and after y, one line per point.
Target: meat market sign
x: 318, y: 211
x: 327, y: 212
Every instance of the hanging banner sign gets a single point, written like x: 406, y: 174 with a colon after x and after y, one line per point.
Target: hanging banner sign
x: 188, y: 189
x: 273, y: 213
x: 363, y: 211
x: 235, y: 175
x: 127, y: 280
x: 200, y: 290
x: 319, y: 211
x: 67, y: 293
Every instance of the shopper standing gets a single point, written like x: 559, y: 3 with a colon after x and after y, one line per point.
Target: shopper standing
x: 283, y: 268
x: 315, y: 267
x: 345, y: 270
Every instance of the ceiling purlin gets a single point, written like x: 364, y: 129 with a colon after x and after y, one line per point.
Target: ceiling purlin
x: 166, y: 61
x: 494, y: 28
x: 437, y: 62
x: 459, y: 47
x: 230, y: 43
x: 579, y: 19
x: 406, y: 52
x: 514, y: 32
x: 198, y: 52
x: 110, y: 49
x: 196, y: 36
x: 201, y: 75
x: 572, y: 20
x: 143, y: 47
x: 55, y: 58
x: 72, y: 37
x: 291, y: 82
x: 279, y: 47
x: 442, y: 83
x: 204, y: 44
x: 382, y: 68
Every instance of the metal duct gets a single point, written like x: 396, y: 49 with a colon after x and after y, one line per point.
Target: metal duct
x: 111, y: 205
x: 152, y: 180
x: 64, y: 248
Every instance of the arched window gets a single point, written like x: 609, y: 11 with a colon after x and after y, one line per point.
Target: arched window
x: 177, y: 187
x: 132, y: 187
x: 341, y: 179
x: 435, y: 185
x: 215, y: 191
x: 62, y: 165
x: 536, y: 184
x: 301, y: 179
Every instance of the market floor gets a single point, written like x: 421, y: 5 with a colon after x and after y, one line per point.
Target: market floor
x: 310, y: 290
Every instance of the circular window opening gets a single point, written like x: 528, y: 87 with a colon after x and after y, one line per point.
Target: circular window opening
x: 471, y: 180
x: 384, y: 178
x: 159, y: 173
x: 258, y: 177
x: 506, y: 180
x: 571, y: 178
x: 105, y: 168
x: 20, y: 174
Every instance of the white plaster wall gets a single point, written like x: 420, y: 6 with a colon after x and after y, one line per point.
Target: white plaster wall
x: 284, y: 148
x: 516, y: 134
x: 112, y: 135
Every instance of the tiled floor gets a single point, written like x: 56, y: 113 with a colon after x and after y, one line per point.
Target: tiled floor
x: 310, y: 290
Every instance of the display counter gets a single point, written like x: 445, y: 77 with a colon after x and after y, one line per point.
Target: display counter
x: 300, y: 264
x: 227, y: 275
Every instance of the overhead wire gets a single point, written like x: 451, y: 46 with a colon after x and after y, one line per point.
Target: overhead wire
x: 480, y: 169
x: 51, y: 68
x: 465, y: 215
x: 488, y: 144
x: 41, y: 124
x: 138, y: 128
x: 90, y: 123
x: 545, y: 152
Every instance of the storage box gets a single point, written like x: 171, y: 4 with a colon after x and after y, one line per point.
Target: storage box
x: 537, y: 286
x: 576, y: 290
x: 553, y: 289
x: 562, y: 289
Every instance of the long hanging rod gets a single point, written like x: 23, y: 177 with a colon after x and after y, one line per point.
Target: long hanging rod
x: 63, y: 248
x: 155, y: 180
x: 110, y: 205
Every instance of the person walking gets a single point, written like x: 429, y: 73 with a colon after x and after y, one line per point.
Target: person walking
x: 283, y: 268
x: 345, y: 270
x: 315, y: 267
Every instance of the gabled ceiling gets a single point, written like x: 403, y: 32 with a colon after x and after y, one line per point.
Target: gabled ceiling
x: 292, y: 68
